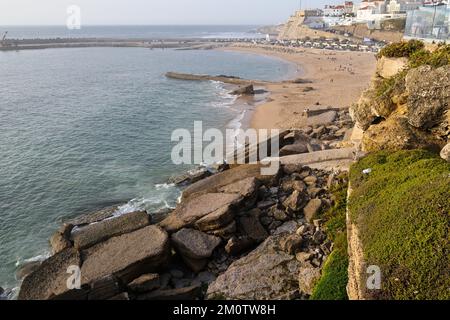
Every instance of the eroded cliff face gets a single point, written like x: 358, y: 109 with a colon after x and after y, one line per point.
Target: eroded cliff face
x: 404, y: 108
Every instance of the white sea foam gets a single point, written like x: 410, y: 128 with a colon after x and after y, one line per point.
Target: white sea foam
x: 158, y: 199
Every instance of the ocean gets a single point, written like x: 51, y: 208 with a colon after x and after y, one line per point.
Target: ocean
x: 133, y: 32
x: 86, y: 128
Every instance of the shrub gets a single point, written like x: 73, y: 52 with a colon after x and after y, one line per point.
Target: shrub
x: 402, y: 212
x: 401, y: 49
x: 437, y: 58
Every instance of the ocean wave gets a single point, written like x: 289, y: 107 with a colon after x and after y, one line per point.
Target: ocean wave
x: 161, y: 197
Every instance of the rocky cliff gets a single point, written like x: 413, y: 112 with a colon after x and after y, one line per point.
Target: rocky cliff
x: 407, y: 105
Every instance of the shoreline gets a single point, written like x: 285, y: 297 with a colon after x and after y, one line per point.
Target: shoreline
x: 337, y: 79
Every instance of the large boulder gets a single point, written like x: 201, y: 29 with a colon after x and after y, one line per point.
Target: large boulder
x: 127, y: 256
x: 195, y: 247
x: 214, y: 183
x: 93, y: 217
x: 389, y: 67
x: 267, y: 273
x: 50, y: 278
x: 244, y: 90
x: 247, y: 188
x: 296, y: 148
x: 192, y: 210
x: 312, y: 209
x: 216, y: 220
x: 195, y: 244
x: 428, y: 93
x: 91, y: 234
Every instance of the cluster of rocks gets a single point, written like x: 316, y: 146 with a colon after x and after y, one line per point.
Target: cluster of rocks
x: 415, y: 113
x: 333, y: 129
x: 205, y: 248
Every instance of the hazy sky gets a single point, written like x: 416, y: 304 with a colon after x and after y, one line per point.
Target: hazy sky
x: 53, y: 12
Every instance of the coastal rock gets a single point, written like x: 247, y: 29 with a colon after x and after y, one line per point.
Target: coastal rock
x: 226, y: 232
x: 194, y: 244
x: 291, y: 244
x: 192, y: 210
x: 291, y: 168
x: 251, y: 226
x: 142, y: 251
x: 247, y: 188
x: 188, y: 293
x: 428, y: 93
x: 244, y: 90
x: 190, y: 177
x: 145, y: 283
x: 294, y: 202
x: 307, y: 279
x: 50, y: 278
x: 59, y: 243
x: 369, y: 108
x: 396, y: 134
x: 216, y: 220
x: 312, y: 209
x: 291, y: 185
x: 237, y: 245
x: 322, y: 119
x: 445, y: 153
x: 294, y: 149
x: 92, y: 234
x: 26, y: 269
x: 93, y: 217
x: 104, y: 288
x: 214, y: 183
x: 389, y: 67
x: 267, y: 273
x: 287, y: 227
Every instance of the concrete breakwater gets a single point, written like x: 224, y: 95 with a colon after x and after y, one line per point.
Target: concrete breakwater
x: 33, y: 44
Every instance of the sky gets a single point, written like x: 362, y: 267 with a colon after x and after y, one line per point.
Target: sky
x: 153, y: 12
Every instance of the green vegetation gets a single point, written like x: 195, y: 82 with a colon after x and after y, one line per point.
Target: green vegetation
x: 438, y: 58
x: 402, y: 49
x: 402, y: 211
x: 333, y: 282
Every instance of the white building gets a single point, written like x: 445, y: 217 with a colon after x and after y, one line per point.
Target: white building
x: 334, y: 11
x: 367, y: 9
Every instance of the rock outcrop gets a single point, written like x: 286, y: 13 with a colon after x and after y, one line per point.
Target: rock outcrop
x: 266, y: 273
x: 405, y: 108
x: 188, y: 213
x: 50, y: 278
x: 142, y: 251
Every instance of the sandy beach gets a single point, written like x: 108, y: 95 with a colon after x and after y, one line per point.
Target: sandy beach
x: 337, y: 79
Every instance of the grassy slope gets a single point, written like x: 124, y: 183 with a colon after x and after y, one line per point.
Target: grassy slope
x: 333, y: 282
x: 402, y: 210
